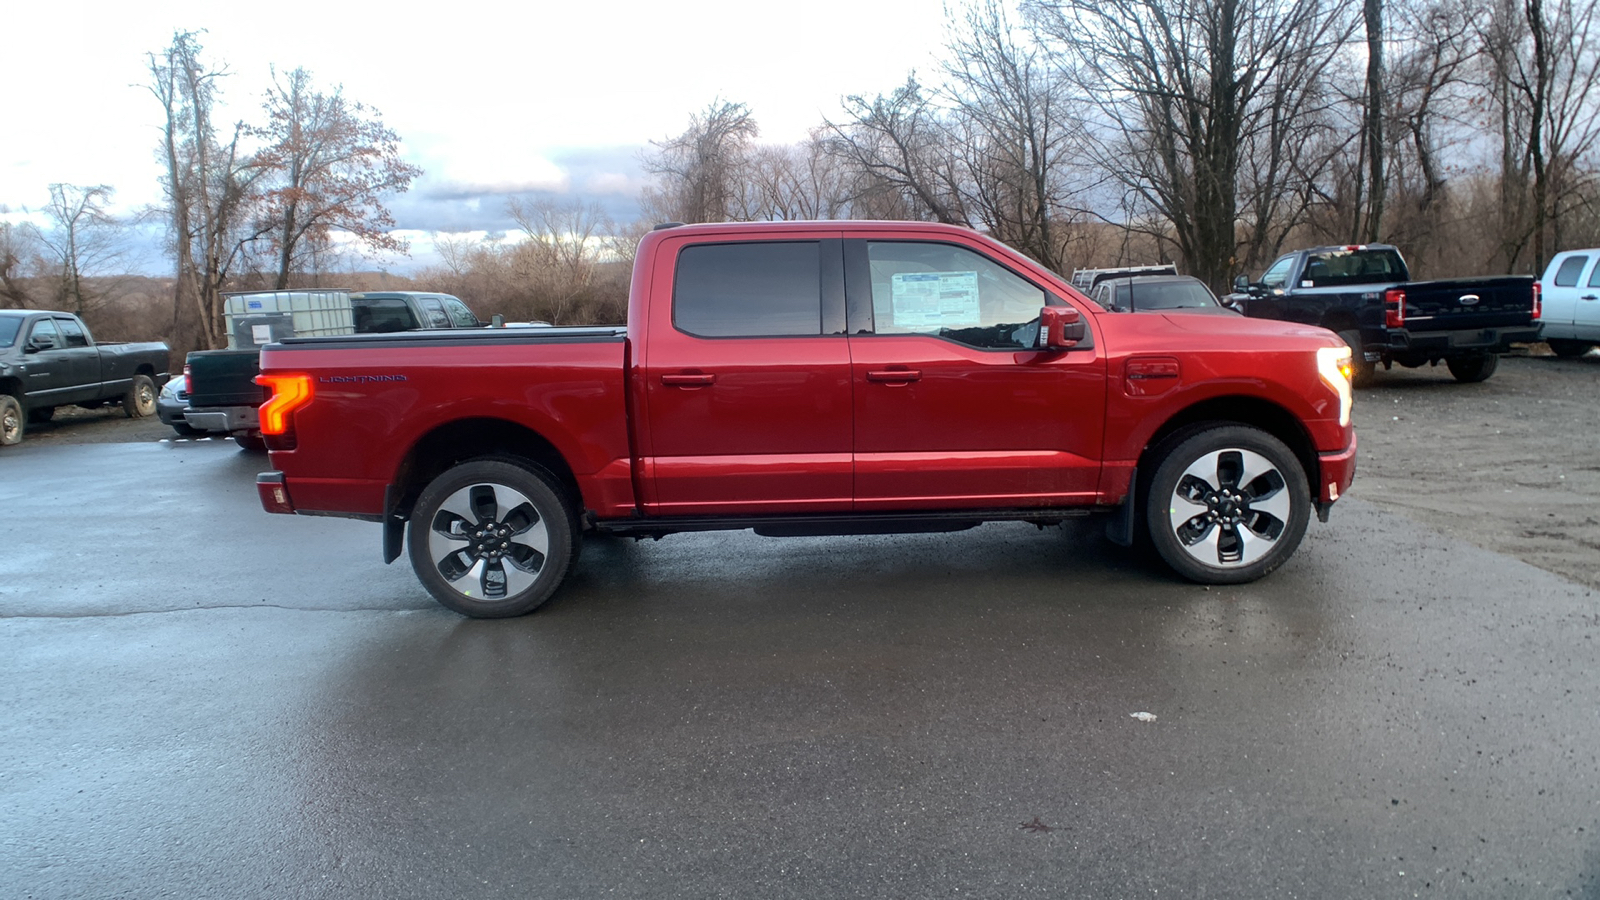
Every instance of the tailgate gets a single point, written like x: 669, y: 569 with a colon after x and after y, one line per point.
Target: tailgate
x: 224, y: 378
x: 1467, y: 304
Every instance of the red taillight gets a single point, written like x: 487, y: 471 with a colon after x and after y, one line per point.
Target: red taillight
x: 1538, y: 304
x: 1394, y: 308
x: 188, y: 380
x: 289, y: 393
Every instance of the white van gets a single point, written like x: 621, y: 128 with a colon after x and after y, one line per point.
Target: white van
x: 1570, y: 290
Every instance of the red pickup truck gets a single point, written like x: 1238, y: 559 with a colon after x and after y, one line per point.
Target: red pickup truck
x: 814, y: 378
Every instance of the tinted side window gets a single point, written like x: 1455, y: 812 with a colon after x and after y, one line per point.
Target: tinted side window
x: 72, y: 332
x: 460, y: 316
x: 434, y: 310
x: 44, y: 332
x: 752, y: 289
x: 375, y: 315
x: 1571, y: 269
x: 952, y: 292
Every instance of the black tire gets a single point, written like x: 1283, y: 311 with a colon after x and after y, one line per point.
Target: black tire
x: 1569, y: 349
x: 518, y: 538
x: 140, y: 400
x: 1213, y: 529
x: 39, y: 415
x: 1472, y: 369
x: 11, y: 421
x: 1361, y: 371
x: 253, y: 443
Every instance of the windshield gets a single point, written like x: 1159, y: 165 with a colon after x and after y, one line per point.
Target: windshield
x: 1170, y: 295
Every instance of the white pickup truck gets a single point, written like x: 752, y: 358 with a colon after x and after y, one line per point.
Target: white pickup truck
x: 1571, y: 291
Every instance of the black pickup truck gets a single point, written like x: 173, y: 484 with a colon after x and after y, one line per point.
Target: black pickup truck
x: 1364, y: 293
x: 49, y: 359
x: 223, y: 394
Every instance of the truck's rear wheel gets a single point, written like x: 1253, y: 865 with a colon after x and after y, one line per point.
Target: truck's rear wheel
x: 1470, y: 369
x: 492, y: 539
x: 10, y: 420
x: 1568, y: 349
x: 140, y: 400
x: 1226, y: 505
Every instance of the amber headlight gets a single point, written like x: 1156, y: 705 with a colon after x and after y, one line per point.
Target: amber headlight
x: 1335, y: 367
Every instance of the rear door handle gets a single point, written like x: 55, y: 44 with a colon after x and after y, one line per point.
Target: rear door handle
x: 1590, y: 297
x: 894, y: 376
x: 685, y: 380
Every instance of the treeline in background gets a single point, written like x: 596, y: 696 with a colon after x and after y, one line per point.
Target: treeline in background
x: 1214, y: 134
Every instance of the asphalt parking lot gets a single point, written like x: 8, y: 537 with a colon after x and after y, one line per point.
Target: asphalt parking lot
x: 204, y: 700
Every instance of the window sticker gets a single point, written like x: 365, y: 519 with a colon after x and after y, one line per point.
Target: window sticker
x: 928, y: 301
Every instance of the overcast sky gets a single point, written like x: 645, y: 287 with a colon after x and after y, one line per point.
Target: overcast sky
x: 490, y: 99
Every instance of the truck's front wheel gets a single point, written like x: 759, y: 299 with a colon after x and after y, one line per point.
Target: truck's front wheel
x: 1227, y: 504
x: 10, y: 420
x: 493, y: 539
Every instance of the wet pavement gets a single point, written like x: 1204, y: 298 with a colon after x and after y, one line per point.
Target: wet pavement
x: 200, y: 699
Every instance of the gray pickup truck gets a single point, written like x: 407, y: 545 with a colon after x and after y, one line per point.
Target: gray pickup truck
x: 49, y: 359
x: 223, y: 394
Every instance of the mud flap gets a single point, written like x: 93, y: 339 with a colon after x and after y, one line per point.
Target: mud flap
x: 394, y: 528
x: 1120, y: 524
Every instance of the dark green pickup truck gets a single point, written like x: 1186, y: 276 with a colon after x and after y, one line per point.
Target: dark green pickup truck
x: 223, y: 394
x: 49, y: 359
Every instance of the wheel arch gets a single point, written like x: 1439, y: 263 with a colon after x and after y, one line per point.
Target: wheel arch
x: 1231, y: 410
x: 475, y: 438
x: 1338, y: 320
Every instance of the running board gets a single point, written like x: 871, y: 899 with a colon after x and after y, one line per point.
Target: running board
x: 840, y: 524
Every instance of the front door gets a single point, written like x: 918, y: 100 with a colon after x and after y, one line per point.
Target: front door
x: 954, y: 406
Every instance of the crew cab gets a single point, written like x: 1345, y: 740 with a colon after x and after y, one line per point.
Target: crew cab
x: 223, y: 394
x: 50, y: 359
x: 814, y: 378
x: 1364, y: 293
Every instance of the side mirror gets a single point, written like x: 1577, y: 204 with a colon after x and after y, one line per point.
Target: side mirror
x: 1060, y: 328
x: 1241, y: 283
x: 496, y: 321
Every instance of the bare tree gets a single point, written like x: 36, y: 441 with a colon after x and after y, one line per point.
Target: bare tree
x: 1541, y: 69
x: 703, y: 170
x: 1018, y: 118
x: 83, y: 237
x: 19, y: 260
x: 208, y: 182
x: 327, y: 165
x: 1369, y: 227
x: 560, y: 255
x: 795, y: 182
x: 901, y: 145
x: 1207, y: 113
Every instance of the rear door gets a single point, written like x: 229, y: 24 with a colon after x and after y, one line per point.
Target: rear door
x: 746, y: 376
x: 954, y: 408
